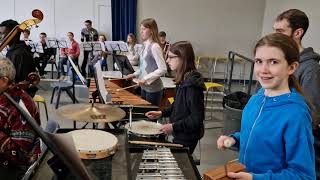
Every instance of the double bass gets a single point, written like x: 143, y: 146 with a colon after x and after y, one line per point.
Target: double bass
x: 33, y: 78
x: 21, y: 27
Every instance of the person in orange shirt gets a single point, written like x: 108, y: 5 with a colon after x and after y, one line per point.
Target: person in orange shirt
x: 73, y: 52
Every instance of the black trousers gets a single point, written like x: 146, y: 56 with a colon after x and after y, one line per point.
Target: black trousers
x: 84, y: 63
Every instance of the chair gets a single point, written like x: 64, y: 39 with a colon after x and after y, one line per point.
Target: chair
x: 64, y: 85
x: 39, y: 99
x: 215, y: 60
x: 212, y: 89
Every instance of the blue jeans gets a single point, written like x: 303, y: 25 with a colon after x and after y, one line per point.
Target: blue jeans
x: 153, y: 97
x: 63, y: 61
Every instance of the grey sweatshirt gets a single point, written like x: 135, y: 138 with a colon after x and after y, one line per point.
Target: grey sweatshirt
x: 308, y: 74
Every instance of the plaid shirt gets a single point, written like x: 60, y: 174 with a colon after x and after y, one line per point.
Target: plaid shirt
x: 20, y: 145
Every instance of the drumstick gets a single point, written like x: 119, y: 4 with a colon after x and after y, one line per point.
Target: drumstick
x: 127, y: 87
x: 139, y: 113
x: 156, y: 143
x: 114, y: 79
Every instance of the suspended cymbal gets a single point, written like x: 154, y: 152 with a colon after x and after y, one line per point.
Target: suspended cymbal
x: 87, y: 113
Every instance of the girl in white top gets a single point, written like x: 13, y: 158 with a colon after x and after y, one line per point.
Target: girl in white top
x: 152, y: 64
x: 132, y: 54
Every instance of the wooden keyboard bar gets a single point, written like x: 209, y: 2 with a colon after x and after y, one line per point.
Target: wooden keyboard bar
x: 123, y: 97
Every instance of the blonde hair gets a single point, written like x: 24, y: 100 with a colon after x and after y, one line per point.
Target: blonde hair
x: 7, y: 69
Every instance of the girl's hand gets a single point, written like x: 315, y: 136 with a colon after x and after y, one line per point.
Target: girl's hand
x: 166, y: 129
x: 154, y: 114
x: 240, y: 175
x: 224, y: 142
x: 142, y: 83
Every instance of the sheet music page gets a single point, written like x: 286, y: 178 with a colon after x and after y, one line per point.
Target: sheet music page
x: 100, y: 81
x: 77, y: 71
x: 123, y: 46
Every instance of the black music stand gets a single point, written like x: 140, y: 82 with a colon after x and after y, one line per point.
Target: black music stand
x: 122, y: 61
x: 92, y: 46
x: 57, y: 44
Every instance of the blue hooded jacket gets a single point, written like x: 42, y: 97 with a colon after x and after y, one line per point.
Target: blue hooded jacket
x: 276, y: 140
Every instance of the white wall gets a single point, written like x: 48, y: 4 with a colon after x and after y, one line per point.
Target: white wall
x: 213, y: 26
x: 310, y: 7
x: 60, y: 16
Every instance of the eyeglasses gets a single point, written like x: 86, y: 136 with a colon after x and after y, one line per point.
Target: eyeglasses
x: 171, y: 57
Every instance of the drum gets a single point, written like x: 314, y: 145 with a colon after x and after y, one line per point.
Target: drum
x: 144, y: 128
x: 94, y: 144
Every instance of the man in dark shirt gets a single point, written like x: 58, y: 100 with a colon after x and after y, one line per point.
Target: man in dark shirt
x: 87, y: 34
x: 46, y: 56
x: 19, y: 53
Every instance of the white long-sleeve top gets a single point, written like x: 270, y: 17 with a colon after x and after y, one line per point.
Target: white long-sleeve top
x: 157, y: 54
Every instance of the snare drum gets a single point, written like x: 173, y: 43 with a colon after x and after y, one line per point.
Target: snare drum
x: 94, y: 144
x: 144, y: 128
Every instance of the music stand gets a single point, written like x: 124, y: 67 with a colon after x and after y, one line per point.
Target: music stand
x: 36, y: 47
x: 124, y: 64
x: 112, y: 46
x: 92, y: 46
x: 122, y: 61
x: 55, y: 43
x: 104, y: 95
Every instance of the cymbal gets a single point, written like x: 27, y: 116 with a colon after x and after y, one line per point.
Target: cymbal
x: 87, y: 113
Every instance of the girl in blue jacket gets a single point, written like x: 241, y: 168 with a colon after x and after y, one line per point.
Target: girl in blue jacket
x: 275, y: 140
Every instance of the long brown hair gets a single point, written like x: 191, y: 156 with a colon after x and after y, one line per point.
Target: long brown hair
x: 291, y: 53
x: 151, y: 24
x: 134, y: 39
x: 184, y: 50
x: 290, y: 50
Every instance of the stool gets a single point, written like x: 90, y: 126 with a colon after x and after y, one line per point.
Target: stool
x: 210, y: 86
x: 204, y: 65
x: 39, y: 99
x: 171, y: 100
x: 215, y: 60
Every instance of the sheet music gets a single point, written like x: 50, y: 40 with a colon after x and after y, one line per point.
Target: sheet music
x: 101, y: 84
x: 4, y: 52
x: 112, y: 74
x: 36, y: 47
x: 58, y: 43
x: 76, y: 70
x: 92, y: 46
x: 116, y: 46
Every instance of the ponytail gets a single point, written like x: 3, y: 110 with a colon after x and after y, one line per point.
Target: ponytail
x: 293, y: 82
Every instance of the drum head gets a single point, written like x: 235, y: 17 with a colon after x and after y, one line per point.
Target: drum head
x: 144, y: 128
x: 94, y: 144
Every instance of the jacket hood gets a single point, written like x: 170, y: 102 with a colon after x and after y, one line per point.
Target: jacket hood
x: 308, y: 54
x: 193, y: 78
x: 288, y: 98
